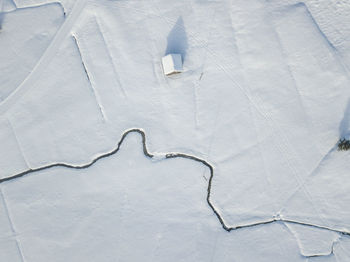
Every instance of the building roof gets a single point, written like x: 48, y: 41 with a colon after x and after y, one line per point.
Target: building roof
x: 172, y: 64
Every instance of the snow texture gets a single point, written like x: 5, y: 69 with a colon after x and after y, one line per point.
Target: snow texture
x: 241, y: 162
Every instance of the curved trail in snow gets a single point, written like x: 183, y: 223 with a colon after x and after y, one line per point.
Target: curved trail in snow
x: 45, y: 59
x: 273, y: 219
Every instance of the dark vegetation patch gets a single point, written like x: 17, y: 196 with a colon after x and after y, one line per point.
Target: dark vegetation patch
x: 343, y: 144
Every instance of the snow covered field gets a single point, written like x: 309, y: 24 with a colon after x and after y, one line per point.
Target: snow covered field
x: 103, y: 158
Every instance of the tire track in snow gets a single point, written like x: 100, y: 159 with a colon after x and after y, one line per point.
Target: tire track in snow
x: 276, y: 218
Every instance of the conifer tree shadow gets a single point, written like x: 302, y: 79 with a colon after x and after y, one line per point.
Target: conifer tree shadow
x: 344, y: 129
x: 177, y: 39
x: 344, y: 126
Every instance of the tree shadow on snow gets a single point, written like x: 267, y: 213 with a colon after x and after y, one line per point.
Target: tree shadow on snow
x: 344, y: 126
x: 177, y: 39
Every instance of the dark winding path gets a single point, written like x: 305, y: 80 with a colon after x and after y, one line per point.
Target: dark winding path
x: 273, y: 219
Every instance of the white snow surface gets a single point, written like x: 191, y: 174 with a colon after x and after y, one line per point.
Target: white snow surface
x: 263, y: 99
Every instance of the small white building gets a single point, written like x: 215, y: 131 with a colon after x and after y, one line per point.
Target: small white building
x: 172, y: 64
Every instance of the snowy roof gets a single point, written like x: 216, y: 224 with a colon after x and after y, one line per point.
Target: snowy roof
x: 172, y: 64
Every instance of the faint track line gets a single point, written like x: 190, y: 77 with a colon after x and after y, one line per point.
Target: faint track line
x: 273, y: 219
x: 18, y: 143
x: 108, y: 50
x: 90, y: 79
x: 11, y: 225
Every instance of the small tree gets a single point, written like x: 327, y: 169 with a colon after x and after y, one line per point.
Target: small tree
x: 343, y: 144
